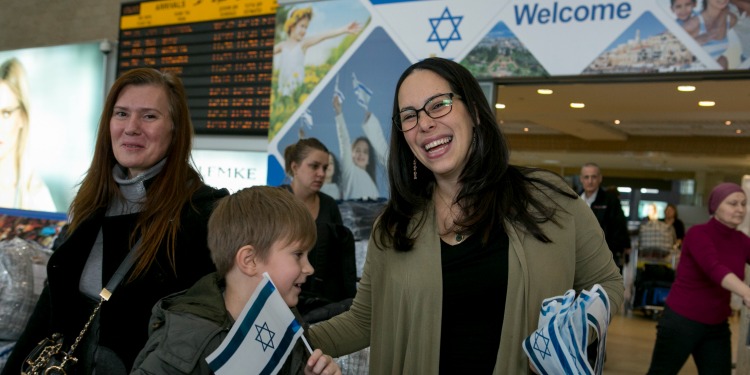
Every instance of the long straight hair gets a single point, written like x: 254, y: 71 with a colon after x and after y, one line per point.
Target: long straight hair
x: 171, y: 188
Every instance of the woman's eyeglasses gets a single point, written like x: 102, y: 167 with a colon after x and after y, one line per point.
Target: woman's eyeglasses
x: 435, y: 107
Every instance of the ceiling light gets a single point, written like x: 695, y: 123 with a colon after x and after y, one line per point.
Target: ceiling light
x: 727, y: 123
x: 686, y: 88
x: 617, y: 122
x: 706, y: 103
x: 544, y: 92
x: 577, y: 105
x: 738, y: 131
x: 500, y: 106
x: 526, y: 130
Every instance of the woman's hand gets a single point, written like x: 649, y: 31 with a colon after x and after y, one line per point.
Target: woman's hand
x: 321, y: 364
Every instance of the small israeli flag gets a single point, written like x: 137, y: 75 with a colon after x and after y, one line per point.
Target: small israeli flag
x: 306, y: 119
x: 559, y: 344
x: 337, y: 91
x: 261, y: 338
x: 362, y: 92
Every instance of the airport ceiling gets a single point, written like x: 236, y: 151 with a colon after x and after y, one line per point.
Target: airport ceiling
x: 662, y: 132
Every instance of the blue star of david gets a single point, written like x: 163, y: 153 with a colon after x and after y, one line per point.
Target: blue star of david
x: 265, y: 336
x: 544, y: 341
x: 454, y: 35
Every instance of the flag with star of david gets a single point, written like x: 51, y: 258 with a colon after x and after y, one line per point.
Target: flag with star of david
x: 261, y: 338
x: 558, y: 346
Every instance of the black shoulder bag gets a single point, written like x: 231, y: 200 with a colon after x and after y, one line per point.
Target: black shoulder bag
x: 48, y: 357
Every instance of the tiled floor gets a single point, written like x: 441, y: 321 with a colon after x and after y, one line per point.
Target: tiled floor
x: 630, y: 340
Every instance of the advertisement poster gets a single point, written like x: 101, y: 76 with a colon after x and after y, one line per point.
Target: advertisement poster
x: 358, y: 64
x: 50, y: 102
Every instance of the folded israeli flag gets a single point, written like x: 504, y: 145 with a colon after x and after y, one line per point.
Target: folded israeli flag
x: 362, y: 92
x: 261, y: 338
x: 558, y: 346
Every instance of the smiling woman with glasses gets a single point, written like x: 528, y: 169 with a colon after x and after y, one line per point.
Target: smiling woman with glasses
x: 468, y: 246
x: 20, y: 187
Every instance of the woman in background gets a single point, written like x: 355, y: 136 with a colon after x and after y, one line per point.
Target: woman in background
x: 671, y: 217
x: 20, y: 187
x: 140, y: 186
x: 711, y: 268
x: 335, y: 277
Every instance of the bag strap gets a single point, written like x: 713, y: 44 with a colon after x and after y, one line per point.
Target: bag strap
x: 106, y: 293
x: 119, y: 274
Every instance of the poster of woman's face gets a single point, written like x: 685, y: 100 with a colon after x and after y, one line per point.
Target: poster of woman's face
x: 50, y: 101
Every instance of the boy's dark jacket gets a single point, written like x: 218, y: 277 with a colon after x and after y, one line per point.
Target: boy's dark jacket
x: 186, y: 327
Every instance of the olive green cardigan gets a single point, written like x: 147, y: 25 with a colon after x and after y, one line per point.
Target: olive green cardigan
x: 397, y: 309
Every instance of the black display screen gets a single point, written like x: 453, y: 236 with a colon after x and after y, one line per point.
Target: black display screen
x: 225, y: 64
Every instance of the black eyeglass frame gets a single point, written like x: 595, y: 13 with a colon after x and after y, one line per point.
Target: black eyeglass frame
x: 397, y: 118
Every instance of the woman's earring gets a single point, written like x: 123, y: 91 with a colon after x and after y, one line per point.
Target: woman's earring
x: 415, y: 167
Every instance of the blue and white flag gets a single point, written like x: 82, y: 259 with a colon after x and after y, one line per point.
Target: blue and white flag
x: 261, y: 338
x: 362, y: 92
x: 337, y: 91
x: 558, y: 346
x: 306, y: 119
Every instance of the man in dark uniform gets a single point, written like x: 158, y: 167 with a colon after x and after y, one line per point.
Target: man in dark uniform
x: 608, y: 212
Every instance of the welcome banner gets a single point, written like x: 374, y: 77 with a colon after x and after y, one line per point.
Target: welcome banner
x: 328, y: 47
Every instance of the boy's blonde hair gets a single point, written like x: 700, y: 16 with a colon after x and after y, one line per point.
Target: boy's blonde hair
x: 259, y: 216
x: 296, y: 15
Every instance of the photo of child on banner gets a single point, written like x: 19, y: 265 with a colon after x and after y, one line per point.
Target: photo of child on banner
x: 310, y: 37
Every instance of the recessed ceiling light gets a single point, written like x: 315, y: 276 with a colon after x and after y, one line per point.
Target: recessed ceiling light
x: 617, y: 122
x: 738, y: 131
x: 686, y: 88
x: 577, y: 105
x: 544, y: 92
x: 727, y: 123
x: 526, y: 130
x: 500, y: 106
x: 706, y: 103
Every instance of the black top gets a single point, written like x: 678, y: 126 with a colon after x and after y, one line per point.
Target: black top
x: 475, y: 283
x: 335, y: 277
x: 124, y: 318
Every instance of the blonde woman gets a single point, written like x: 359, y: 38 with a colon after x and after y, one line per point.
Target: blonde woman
x: 19, y: 186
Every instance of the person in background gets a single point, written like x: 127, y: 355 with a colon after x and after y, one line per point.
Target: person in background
x: 140, y: 186
x: 255, y: 230
x: 711, y: 268
x: 20, y: 187
x: 711, y: 29
x: 655, y: 237
x: 683, y: 9
x: 333, y: 256
x: 608, y: 212
x: 671, y: 217
x: 358, y: 160
x: 468, y: 246
x: 332, y: 179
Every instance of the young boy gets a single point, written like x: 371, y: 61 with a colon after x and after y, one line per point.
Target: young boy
x: 255, y: 230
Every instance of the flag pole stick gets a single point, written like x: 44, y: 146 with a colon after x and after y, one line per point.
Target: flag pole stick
x: 307, y: 345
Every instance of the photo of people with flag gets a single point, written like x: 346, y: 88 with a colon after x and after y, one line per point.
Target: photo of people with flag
x: 361, y: 93
x: 237, y: 320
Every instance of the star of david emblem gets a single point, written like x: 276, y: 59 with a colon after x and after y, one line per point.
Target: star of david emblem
x: 437, y: 34
x: 265, y: 336
x: 539, y: 342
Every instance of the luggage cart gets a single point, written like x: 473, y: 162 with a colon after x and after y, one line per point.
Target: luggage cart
x: 654, y: 275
